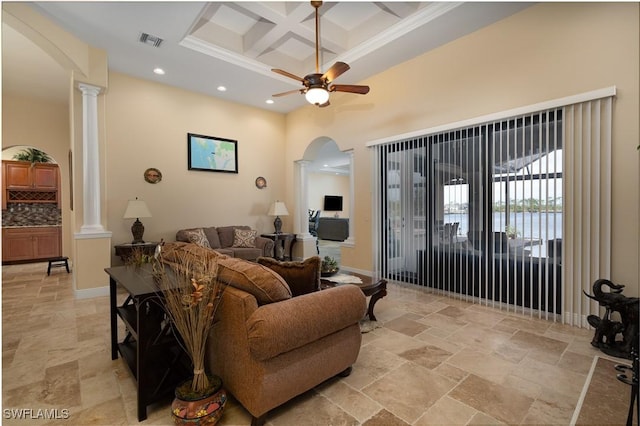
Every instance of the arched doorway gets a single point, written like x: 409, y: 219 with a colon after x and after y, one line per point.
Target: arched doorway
x: 323, y: 170
x: 39, y: 94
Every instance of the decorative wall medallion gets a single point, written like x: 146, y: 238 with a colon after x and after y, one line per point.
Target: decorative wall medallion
x: 152, y: 175
x: 261, y: 182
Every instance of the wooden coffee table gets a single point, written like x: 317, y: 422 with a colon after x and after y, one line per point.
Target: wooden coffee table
x: 376, y: 290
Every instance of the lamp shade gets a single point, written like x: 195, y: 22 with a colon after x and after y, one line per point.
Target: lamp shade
x: 317, y: 96
x: 278, y: 209
x: 135, y: 209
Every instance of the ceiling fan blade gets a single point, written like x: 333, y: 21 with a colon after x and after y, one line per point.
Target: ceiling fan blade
x: 288, y: 93
x: 350, y: 88
x: 287, y: 74
x: 335, y: 71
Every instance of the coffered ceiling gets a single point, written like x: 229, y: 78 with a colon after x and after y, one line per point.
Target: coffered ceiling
x: 202, y: 46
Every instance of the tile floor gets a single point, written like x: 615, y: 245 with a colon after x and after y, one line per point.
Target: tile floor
x: 432, y: 360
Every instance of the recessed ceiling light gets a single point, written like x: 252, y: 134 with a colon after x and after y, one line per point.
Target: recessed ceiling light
x: 222, y: 89
x: 269, y: 101
x: 325, y: 165
x: 158, y: 71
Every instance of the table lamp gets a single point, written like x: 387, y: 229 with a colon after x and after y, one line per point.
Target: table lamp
x: 137, y: 209
x: 278, y: 209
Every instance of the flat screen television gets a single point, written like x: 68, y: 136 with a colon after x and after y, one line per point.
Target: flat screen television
x: 333, y: 203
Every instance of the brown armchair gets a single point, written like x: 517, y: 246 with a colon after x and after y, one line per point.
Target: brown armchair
x: 268, y: 346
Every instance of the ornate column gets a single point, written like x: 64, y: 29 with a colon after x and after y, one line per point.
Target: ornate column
x: 352, y: 205
x: 301, y: 225
x: 90, y: 160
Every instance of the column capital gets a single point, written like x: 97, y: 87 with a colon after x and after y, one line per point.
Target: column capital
x: 88, y: 89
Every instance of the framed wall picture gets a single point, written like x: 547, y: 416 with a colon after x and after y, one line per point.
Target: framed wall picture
x: 212, y: 154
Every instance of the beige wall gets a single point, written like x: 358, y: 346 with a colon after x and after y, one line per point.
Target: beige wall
x: 321, y: 184
x: 548, y: 51
x: 147, y: 125
x: 43, y: 125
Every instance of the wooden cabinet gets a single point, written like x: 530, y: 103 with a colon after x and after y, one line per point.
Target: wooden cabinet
x: 31, y: 243
x: 45, y: 177
x: 24, y: 182
x: 22, y: 175
x: 17, y: 175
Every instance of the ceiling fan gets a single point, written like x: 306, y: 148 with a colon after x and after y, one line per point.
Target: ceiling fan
x: 317, y: 86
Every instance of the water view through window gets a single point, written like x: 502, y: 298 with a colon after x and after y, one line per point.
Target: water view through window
x: 477, y: 211
x: 533, y: 213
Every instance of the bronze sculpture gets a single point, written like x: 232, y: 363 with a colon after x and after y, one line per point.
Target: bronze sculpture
x: 607, y: 328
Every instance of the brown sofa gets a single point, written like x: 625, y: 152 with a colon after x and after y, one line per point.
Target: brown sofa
x: 222, y: 239
x: 268, y: 346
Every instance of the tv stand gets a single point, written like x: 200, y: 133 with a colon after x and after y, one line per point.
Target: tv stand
x: 332, y: 228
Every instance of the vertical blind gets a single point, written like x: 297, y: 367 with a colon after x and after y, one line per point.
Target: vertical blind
x: 588, y: 203
x: 494, y: 213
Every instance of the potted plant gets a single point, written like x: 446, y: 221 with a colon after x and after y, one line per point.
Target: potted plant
x: 511, y: 232
x: 329, y: 267
x: 32, y: 154
x: 191, y: 293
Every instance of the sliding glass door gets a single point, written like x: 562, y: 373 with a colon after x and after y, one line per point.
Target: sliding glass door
x: 477, y: 212
x: 403, y: 209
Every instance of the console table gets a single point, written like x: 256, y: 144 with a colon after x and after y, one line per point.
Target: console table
x: 149, y: 348
x: 126, y: 250
x: 281, y: 242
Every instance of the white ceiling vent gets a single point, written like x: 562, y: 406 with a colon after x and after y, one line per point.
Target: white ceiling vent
x: 149, y: 39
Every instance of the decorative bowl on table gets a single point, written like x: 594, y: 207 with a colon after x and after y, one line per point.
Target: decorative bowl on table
x: 329, y: 267
x: 329, y: 272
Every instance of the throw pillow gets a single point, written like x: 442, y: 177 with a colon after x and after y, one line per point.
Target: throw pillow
x: 197, y: 236
x: 302, y: 276
x: 212, y: 236
x: 244, y: 238
x: 226, y: 234
x: 175, y: 253
x: 263, y: 283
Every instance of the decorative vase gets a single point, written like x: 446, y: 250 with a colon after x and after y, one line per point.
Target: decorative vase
x: 199, y: 410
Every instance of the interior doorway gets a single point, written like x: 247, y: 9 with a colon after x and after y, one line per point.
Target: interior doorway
x: 325, y: 172
x: 32, y: 205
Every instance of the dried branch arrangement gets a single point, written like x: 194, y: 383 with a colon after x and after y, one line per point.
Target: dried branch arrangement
x: 191, y: 295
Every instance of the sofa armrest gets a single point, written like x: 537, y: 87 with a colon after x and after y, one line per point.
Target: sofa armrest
x: 283, y: 326
x: 266, y: 245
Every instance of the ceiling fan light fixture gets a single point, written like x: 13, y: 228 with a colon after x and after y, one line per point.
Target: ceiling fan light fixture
x: 316, y: 86
x: 317, y: 96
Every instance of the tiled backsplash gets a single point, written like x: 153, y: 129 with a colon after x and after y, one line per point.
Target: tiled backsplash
x: 31, y: 214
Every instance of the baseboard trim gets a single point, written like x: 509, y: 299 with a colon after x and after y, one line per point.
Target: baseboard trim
x: 356, y: 270
x: 90, y: 293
